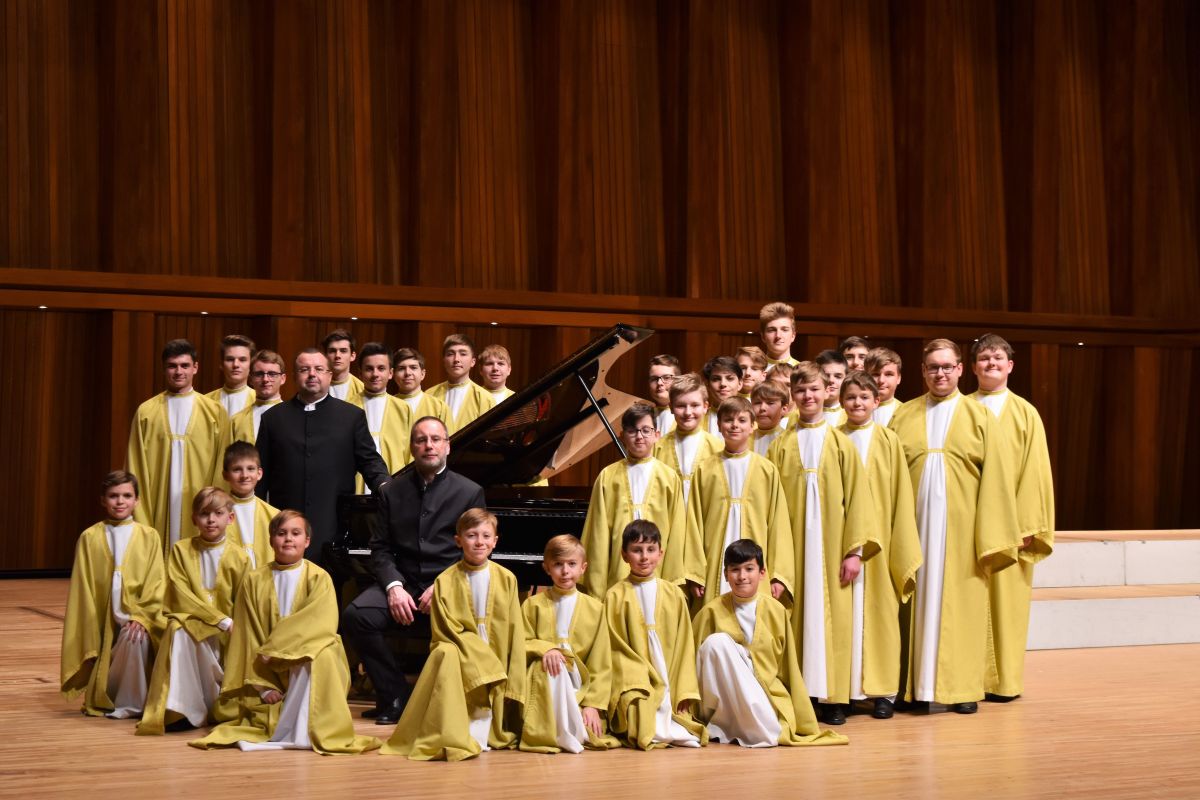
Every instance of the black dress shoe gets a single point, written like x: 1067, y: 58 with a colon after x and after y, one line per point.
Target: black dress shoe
x: 370, y: 713
x: 834, y: 714
x: 389, y: 714
x: 883, y: 708
x: 965, y: 708
x: 999, y: 698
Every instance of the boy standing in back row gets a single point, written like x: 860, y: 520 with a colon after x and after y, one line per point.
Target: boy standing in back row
x: 466, y: 399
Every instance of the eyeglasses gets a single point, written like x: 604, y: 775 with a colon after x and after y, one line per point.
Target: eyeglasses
x: 270, y: 376
x: 312, y: 370
x: 640, y: 433
x: 934, y: 369
x: 663, y: 378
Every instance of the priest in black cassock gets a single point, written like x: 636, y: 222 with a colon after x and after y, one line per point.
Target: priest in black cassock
x: 312, y: 447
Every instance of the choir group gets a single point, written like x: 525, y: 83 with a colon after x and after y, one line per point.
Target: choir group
x: 783, y: 542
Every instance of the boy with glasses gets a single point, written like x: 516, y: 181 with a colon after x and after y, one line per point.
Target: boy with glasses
x: 267, y: 377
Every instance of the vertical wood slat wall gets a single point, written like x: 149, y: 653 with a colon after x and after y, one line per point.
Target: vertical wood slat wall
x: 942, y: 154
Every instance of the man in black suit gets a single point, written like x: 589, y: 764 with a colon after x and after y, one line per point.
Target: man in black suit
x: 312, y: 447
x: 411, y: 544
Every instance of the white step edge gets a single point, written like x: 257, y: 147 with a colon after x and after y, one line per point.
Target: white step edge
x: 1113, y: 622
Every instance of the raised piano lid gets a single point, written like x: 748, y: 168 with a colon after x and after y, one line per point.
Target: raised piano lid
x: 551, y: 424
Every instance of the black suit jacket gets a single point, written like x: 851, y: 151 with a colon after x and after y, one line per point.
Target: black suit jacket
x: 310, y: 458
x: 412, y: 540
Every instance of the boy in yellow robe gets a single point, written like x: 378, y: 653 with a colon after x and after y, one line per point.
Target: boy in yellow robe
x: 753, y: 362
x: 252, y: 515
x: 204, y: 574
x: 114, y: 608
x: 285, y: 666
x: 654, y: 688
x: 342, y: 351
x: 777, y: 326
x: 465, y: 398
x: 637, y: 487
x: 1028, y: 465
x: 495, y: 368
x: 268, y: 374
x: 664, y: 369
x: 855, y: 350
x: 723, y: 377
x: 751, y: 689
x: 469, y: 693
x: 833, y: 366
x: 688, y: 443
x: 770, y: 401
x: 888, y: 579
x: 967, y: 520
x: 832, y: 533
x: 388, y: 417
x: 570, y: 661
x: 234, y: 395
x: 175, y: 446
x: 408, y: 373
x: 737, y: 494
x: 884, y: 365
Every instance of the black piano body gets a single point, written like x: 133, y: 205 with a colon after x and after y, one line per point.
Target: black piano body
x: 547, y: 427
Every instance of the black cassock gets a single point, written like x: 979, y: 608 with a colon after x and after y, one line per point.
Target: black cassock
x: 310, y: 458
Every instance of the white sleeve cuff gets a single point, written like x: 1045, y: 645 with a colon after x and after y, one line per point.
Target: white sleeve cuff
x: 388, y: 588
x: 225, y: 624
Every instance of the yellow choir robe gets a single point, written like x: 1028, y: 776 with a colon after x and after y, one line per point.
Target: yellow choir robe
x: 500, y: 395
x: 464, y: 671
x: 215, y: 396
x: 89, y: 630
x: 611, y: 508
x: 590, y: 654
x: 665, y: 449
x: 353, y: 391
x: 637, y: 688
x: 477, y: 401
x: 392, y: 437
x: 982, y: 538
x: 307, y: 635
x: 243, y: 422
x: 1011, y: 590
x: 846, y: 526
x: 835, y: 416
x: 264, y: 512
x: 790, y: 361
x: 775, y: 662
x: 891, y: 575
x: 149, y: 459
x: 764, y: 519
x: 427, y: 406
x: 187, y: 605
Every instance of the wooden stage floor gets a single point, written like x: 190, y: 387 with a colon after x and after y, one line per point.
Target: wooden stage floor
x: 1116, y: 722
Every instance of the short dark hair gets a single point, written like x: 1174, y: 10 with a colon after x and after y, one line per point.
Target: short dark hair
x: 721, y: 364
x: 239, y: 451
x: 635, y: 414
x: 853, y: 341
x: 830, y: 357
x: 116, y: 478
x: 339, y: 335
x: 374, y: 349
x: 178, y: 347
x: 744, y: 550
x: 640, y: 530
x: 991, y: 341
x: 408, y: 354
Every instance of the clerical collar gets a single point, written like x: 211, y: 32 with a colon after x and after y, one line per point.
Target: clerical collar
x: 429, y: 482
x: 204, y: 544
x: 312, y: 406
x: 816, y: 424
x: 742, y: 454
x: 639, y: 579
x: 471, y: 567
x: 852, y: 427
x: 933, y: 398
x: 275, y: 565
x: 118, y: 523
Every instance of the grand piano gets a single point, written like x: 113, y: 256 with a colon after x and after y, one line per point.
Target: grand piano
x: 550, y: 425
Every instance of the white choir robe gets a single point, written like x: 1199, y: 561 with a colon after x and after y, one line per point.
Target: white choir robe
x: 731, y: 698
x: 129, y: 667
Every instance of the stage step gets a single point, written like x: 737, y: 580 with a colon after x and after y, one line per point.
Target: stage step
x: 1119, y: 558
x: 1114, y: 616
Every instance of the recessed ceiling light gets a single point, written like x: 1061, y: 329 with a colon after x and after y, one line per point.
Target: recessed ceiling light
x: 352, y: 319
x: 495, y: 323
x: 43, y: 308
x: 204, y: 313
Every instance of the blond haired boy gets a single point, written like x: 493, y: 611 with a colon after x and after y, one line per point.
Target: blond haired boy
x: 770, y: 401
x: 777, y: 326
x: 753, y: 362
x: 495, y: 367
x: 688, y: 443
